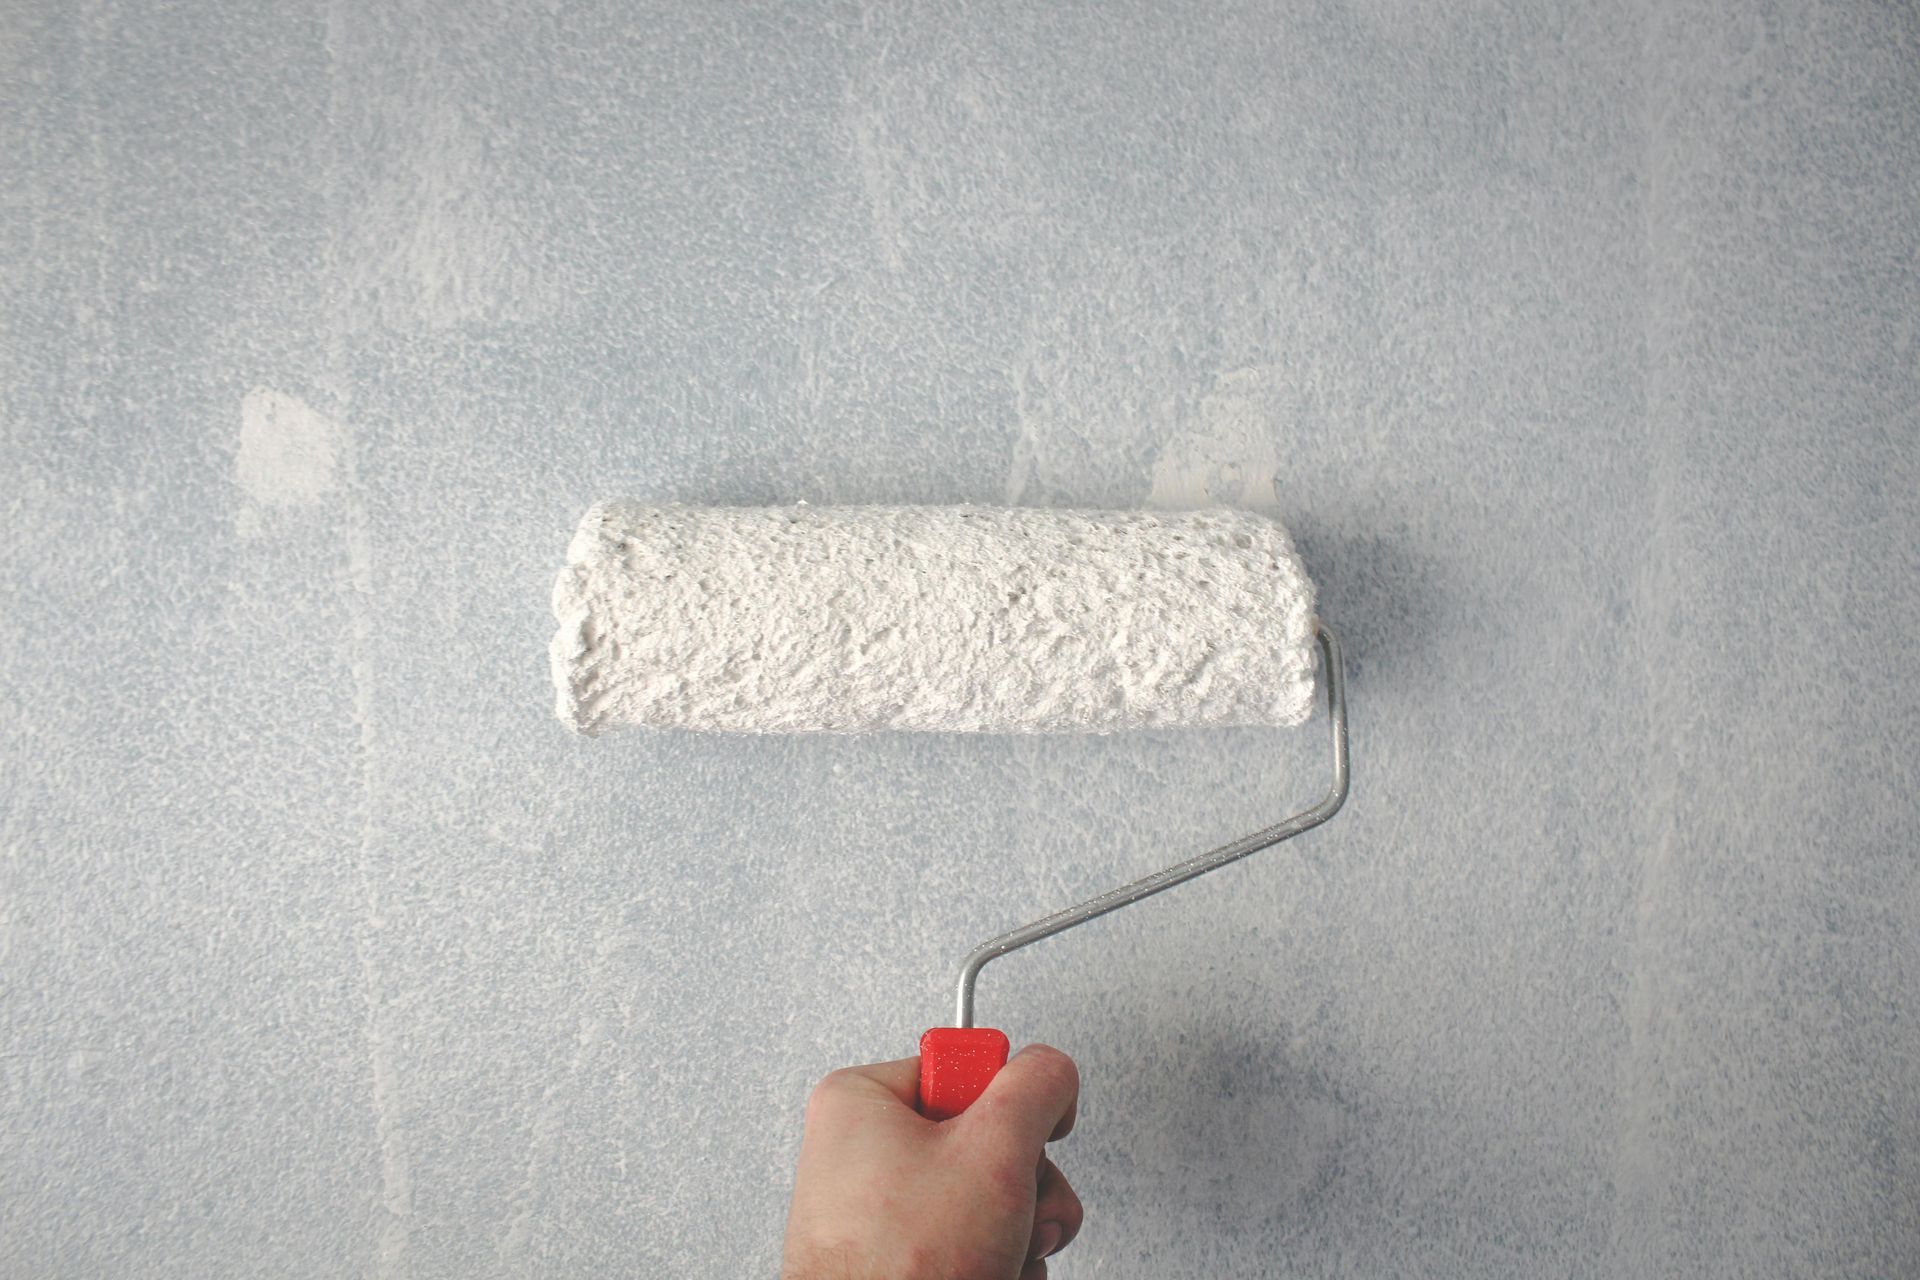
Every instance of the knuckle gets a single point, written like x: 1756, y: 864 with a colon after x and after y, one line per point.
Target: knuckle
x: 1057, y: 1068
x: 827, y: 1090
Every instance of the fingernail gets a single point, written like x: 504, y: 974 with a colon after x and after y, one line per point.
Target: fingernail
x: 1046, y: 1238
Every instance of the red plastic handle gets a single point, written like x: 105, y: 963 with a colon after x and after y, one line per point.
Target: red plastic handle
x: 956, y: 1065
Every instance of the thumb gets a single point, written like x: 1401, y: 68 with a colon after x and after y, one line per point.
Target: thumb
x: 1032, y: 1100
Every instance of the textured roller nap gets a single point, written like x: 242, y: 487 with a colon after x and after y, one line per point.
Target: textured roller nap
x: 783, y: 619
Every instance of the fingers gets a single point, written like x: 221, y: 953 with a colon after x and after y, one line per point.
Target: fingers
x: 901, y: 1077
x: 1057, y: 1212
x: 1032, y: 1099
x: 889, y: 1082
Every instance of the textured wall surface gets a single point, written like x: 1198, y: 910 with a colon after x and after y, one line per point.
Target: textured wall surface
x: 1575, y: 343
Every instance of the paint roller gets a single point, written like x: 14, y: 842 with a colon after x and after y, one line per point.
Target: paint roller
x: 948, y: 619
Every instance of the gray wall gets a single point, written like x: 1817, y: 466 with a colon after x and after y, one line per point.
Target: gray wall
x: 1576, y: 344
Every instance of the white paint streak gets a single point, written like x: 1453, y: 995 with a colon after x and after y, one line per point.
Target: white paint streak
x: 1099, y: 379
x: 543, y: 1139
x: 437, y: 245
x: 396, y: 1170
x: 289, y: 451
x: 878, y: 179
x: 1651, y: 1027
x: 1228, y: 458
x: 391, y: 1248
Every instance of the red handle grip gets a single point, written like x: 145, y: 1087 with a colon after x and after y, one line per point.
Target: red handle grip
x: 956, y: 1065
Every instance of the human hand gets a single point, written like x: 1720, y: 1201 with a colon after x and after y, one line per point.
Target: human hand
x: 883, y: 1193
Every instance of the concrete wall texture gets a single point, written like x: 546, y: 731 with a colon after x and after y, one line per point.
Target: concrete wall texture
x: 1577, y: 345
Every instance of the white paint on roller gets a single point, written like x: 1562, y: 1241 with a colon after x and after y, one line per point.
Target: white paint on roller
x: 786, y: 619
